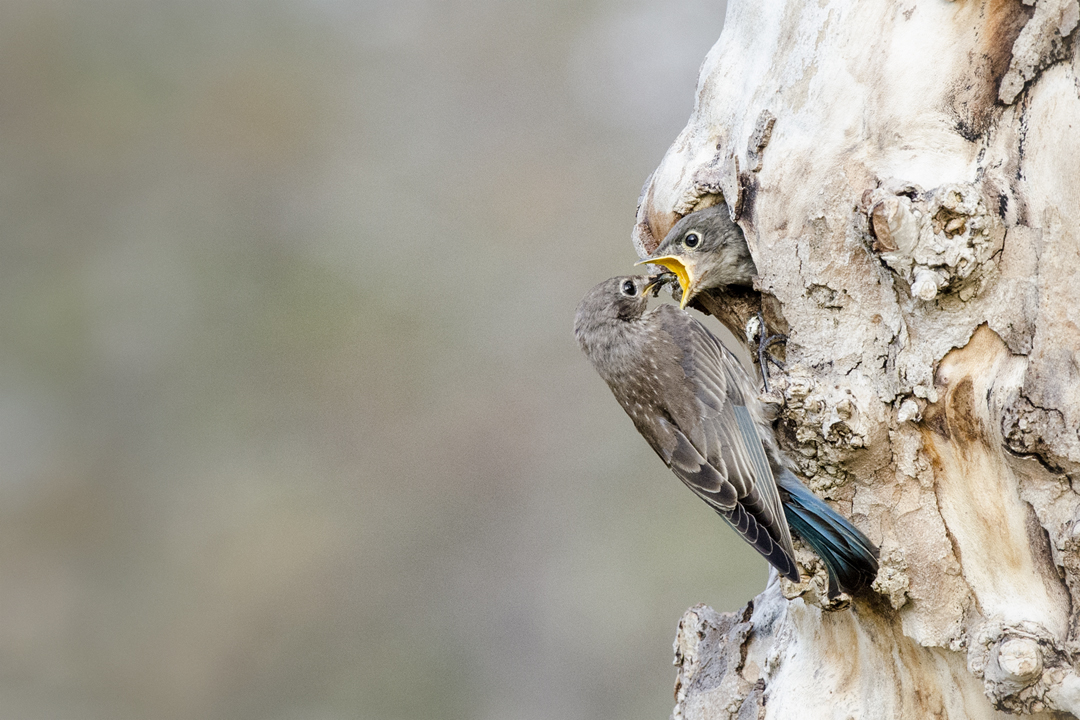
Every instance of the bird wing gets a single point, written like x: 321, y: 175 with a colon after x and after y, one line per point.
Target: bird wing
x: 725, y: 436
x: 710, y: 485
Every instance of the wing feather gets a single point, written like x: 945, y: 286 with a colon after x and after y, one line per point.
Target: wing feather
x: 708, y: 484
x: 724, y: 434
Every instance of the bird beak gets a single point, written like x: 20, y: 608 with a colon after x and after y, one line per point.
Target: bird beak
x: 684, y: 272
x: 656, y: 283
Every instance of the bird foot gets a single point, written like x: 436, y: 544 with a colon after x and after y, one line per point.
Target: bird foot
x: 755, y: 331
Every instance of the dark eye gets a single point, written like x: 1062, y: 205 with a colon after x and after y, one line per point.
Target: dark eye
x: 629, y: 288
x: 691, y: 240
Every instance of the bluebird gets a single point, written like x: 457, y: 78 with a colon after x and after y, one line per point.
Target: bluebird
x: 697, y: 407
x: 705, y: 250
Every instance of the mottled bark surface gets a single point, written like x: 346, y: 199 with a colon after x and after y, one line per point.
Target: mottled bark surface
x: 908, y: 178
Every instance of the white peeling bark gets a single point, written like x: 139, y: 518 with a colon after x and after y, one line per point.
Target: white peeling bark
x: 908, y: 178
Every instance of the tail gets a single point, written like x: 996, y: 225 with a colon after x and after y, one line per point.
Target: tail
x: 849, y: 556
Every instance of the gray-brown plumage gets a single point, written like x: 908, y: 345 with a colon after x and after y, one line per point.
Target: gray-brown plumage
x: 697, y: 407
x: 705, y: 250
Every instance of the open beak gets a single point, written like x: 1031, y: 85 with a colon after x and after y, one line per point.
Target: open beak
x: 684, y: 272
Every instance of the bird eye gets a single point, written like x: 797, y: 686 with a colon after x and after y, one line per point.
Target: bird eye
x: 629, y: 288
x: 691, y: 240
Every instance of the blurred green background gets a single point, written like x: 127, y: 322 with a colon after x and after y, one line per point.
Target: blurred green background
x: 292, y: 419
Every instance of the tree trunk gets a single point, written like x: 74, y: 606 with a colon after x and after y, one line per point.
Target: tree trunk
x: 908, y: 178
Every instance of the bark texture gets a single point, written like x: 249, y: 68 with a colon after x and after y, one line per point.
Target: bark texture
x: 908, y: 178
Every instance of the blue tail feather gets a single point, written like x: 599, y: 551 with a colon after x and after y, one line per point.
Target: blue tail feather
x: 849, y: 556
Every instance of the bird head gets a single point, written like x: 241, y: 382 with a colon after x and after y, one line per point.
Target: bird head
x: 705, y: 250
x: 623, y: 298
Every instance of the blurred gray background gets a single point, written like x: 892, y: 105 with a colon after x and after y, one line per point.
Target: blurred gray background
x: 292, y: 419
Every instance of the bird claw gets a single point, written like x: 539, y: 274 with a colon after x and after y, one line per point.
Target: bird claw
x: 764, y: 346
x: 763, y: 356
